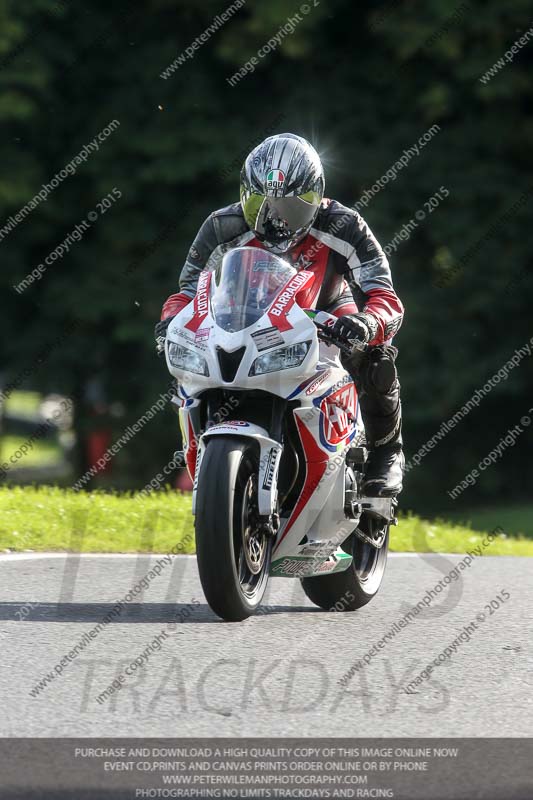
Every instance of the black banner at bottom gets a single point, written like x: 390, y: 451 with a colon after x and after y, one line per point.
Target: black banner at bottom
x: 405, y: 769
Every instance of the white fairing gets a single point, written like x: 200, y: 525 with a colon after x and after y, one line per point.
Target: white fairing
x: 327, y: 420
x: 209, y: 337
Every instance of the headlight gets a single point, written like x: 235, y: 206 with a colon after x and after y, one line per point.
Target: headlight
x: 282, y: 358
x: 187, y: 360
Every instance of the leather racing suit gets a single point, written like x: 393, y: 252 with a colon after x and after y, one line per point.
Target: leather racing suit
x: 353, y: 275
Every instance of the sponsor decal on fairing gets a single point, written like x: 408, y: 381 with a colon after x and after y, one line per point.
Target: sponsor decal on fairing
x: 337, y: 420
x: 201, y: 302
x: 283, y: 303
x: 202, y: 335
x: 270, y: 469
x: 233, y: 423
x: 267, y: 338
x: 299, y: 566
x: 317, y: 382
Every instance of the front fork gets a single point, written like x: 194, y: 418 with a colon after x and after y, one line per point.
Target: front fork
x: 197, y: 412
x: 269, y: 450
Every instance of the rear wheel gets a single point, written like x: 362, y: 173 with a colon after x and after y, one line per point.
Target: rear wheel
x: 356, y: 586
x: 232, y: 548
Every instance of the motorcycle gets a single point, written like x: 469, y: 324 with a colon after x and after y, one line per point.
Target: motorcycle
x: 273, y: 441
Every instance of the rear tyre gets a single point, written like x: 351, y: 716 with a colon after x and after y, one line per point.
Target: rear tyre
x: 232, y: 550
x: 356, y: 586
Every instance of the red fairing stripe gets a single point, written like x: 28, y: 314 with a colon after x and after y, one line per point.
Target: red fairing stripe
x: 174, y: 304
x: 284, y: 301
x: 316, y: 463
x: 201, y: 301
x: 192, y: 451
x: 387, y: 308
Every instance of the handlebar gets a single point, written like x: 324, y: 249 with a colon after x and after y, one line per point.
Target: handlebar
x: 326, y: 334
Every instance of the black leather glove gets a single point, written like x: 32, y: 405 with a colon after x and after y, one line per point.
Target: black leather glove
x: 160, y: 333
x: 356, y: 327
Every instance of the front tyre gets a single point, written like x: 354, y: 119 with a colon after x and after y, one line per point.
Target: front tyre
x: 356, y: 586
x: 232, y: 548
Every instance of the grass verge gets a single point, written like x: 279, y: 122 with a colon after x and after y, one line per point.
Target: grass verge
x: 48, y: 518
x: 516, y: 519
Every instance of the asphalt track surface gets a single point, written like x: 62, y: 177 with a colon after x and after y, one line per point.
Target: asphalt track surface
x: 275, y: 674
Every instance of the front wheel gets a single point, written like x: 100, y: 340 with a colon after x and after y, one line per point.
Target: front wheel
x: 356, y: 586
x: 232, y: 548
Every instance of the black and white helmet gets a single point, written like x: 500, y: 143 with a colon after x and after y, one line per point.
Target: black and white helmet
x: 282, y: 186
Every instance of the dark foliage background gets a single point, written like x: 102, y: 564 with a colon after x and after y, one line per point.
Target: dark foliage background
x: 363, y: 82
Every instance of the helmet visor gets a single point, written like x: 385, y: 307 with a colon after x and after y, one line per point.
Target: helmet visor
x: 280, y: 222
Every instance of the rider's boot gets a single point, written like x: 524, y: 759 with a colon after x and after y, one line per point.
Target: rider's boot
x: 384, y: 471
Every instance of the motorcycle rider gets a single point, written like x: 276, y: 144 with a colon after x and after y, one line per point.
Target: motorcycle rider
x: 283, y: 210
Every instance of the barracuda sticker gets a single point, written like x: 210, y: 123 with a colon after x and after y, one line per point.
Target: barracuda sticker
x: 284, y: 301
x: 267, y: 338
x: 201, y: 302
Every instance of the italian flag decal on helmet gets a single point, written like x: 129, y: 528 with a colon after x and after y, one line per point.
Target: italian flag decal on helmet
x: 275, y: 180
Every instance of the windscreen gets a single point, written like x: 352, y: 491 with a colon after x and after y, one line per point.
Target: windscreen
x: 245, y: 284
